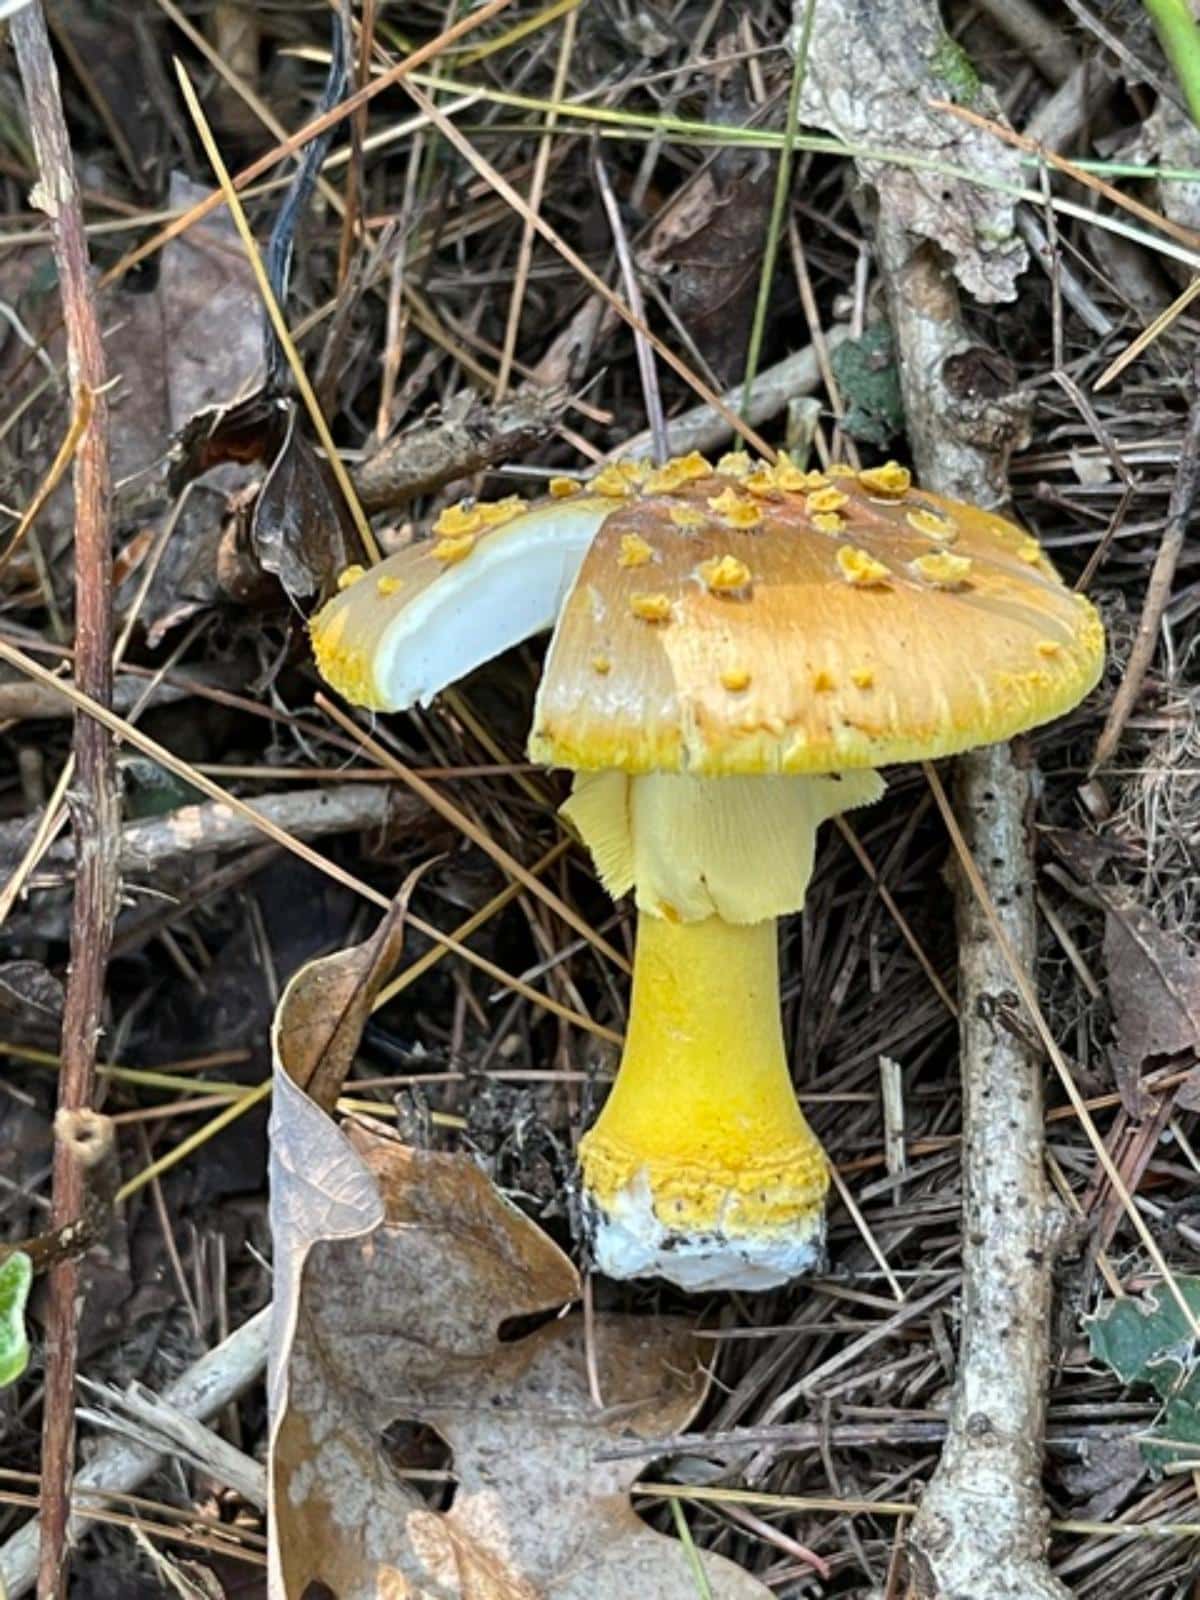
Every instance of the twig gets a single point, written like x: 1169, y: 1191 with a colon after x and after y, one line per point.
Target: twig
x: 1041, y: 38
x: 1158, y: 590
x: 993, y: 1450
x: 154, y: 844
x: 465, y: 439
x: 981, y: 1529
x: 140, y: 1415
x: 94, y: 800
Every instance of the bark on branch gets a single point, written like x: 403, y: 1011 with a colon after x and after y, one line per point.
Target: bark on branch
x: 94, y: 797
x: 981, y: 1531
x: 982, y: 1527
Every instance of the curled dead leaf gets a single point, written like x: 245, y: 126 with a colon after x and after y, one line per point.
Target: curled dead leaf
x: 405, y: 1286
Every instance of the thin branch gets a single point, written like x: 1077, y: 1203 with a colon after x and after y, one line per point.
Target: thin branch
x: 94, y: 798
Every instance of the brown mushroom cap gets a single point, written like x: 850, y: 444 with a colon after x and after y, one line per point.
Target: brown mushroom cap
x: 766, y: 620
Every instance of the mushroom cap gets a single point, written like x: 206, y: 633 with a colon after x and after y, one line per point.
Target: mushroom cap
x: 765, y: 620
x: 739, y: 620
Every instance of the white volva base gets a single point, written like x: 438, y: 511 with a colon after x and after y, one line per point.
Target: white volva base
x: 629, y: 1241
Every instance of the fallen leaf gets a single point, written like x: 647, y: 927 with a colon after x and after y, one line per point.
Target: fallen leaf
x: 16, y: 1276
x: 708, y: 242
x: 1153, y: 986
x: 294, y: 525
x: 870, y: 384
x: 404, y: 1284
x: 1150, y: 1341
x: 30, y: 991
x: 212, y: 317
x: 297, y: 529
x: 871, y: 86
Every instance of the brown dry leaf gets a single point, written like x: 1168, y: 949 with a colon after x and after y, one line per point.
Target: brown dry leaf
x: 708, y: 242
x: 397, y: 1271
x: 1153, y: 986
x: 299, y: 528
x: 294, y: 524
x: 196, y: 336
x: 860, y: 86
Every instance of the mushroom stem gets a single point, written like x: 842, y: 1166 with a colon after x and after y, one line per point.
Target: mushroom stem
x: 701, y: 1167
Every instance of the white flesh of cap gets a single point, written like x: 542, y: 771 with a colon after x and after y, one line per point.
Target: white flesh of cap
x: 509, y: 588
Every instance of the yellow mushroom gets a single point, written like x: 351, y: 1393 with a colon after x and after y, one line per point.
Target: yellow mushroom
x: 706, y: 754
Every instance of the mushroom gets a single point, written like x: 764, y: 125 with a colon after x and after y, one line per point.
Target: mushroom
x: 735, y: 652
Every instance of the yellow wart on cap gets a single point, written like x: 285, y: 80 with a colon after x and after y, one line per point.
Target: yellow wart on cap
x: 830, y: 499
x: 676, y: 472
x: 724, y: 574
x: 1030, y: 551
x: 943, y: 569
x: 932, y: 525
x: 561, y: 488
x: 601, y: 665
x: 827, y: 521
x: 497, y: 512
x: 734, y: 510
x: 891, y: 479
x: 612, y: 481
x: 651, y: 607
x: 450, y: 551
x: 349, y: 575
x: 823, y: 681
x: 634, y: 551
x: 687, y: 517
x: 795, y: 479
x: 860, y: 568
x: 735, y: 464
x: 387, y: 585
x: 460, y: 519
x: 761, y: 482
x: 862, y: 678
x: 735, y: 679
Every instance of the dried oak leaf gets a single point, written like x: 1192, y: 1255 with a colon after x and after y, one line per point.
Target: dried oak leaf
x: 398, y: 1275
x: 1153, y: 986
x: 708, y: 240
x: 872, y: 86
x: 31, y: 992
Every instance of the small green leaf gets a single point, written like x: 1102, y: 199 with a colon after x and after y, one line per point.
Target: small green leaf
x: 16, y: 1275
x: 870, y: 383
x: 1150, y: 1341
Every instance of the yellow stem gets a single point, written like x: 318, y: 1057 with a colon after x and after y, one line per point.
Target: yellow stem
x: 703, y: 1111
